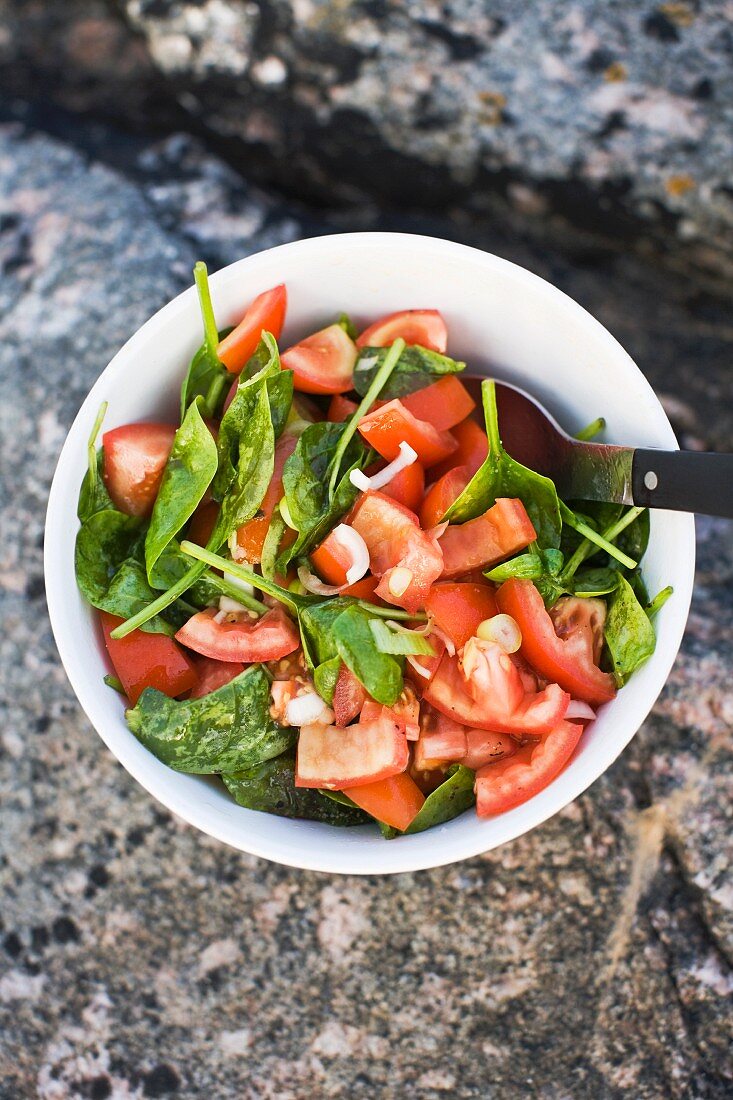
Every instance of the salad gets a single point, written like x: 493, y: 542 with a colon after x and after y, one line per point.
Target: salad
x: 331, y: 586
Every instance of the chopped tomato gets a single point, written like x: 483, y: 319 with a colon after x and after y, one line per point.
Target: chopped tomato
x: 444, y: 404
x: 502, y: 786
x: 472, y: 447
x: 213, y: 675
x: 458, y: 608
x: 283, y: 692
x: 338, y: 759
x: 265, y: 314
x: 502, y: 531
x: 484, y: 747
x: 425, y: 327
x: 134, y: 459
x: 202, y: 523
x: 442, y: 494
x: 407, y: 487
x: 395, y: 801
x: 493, y: 695
x: 405, y: 712
x: 581, y: 621
x: 332, y: 560
x: 340, y: 408
x: 323, y: 362
x: 567, y: 660
x: 251, y: 535
x: 441, y: 741
x: 348, y: 697
x: 365, y: 589
x: 391, y: 424
x: 400, y: 553
x: 144, y: 660
x: 266, y: 639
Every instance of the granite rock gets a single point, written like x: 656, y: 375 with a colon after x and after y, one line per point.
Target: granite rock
x: 138, y: 958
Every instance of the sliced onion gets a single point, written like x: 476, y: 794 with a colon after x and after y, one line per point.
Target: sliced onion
x: 399, y: 581
x: 401, y: 628
x: 359, y: 479
x: 438, y: 531
x: 419, y: 669
x: 503, y: 630
x: 228, y: 605
x: 447, y: 641
x: 237, y: 582
x: 221, y: 617
x: 312, y: 583
x: 307, y: 708
x: 356, y: 548
x: 578, y: 709
x: 405, y: 458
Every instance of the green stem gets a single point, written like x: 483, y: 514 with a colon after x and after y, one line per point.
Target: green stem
x: 392, y: 612
x: 608, y: 535
x: 659, y: 601
x: 164, y: 600
x: 115, y: 683
x: 582, y: 528
x: 378, y: 383
x: 244, y: 573
x: 92, y: 444
x: 236, y: 593
x: 214, y: 393
x: 491, y: 415
x: 211, y: 333
x: 591, y: 430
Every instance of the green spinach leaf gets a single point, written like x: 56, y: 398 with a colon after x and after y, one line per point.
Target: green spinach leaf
x: 628, y: 632
x: 416, y: 367
x: 206, y: 377
x: 452, y: 798
x: 93, y: 495
x: 380, y: 673
x: 265, y: 362
x: 325, y: 677
x: 270, y: 787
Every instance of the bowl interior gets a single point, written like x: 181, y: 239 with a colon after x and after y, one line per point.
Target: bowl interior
x: 502, y: 320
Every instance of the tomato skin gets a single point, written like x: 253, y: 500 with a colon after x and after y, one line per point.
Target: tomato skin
x: 323, y: 362
x: 441, y: 741
x: 338, y: 759
x: 212, y: 675
x: 396, y: 801
x: 340, y: 409
x: 391, y: 424
x: 444, y: 492
x: 558, y: 659
x: 202, y: 523
x: 147, y: 660
x: 405, y: 713
x: 425, y: 327
x: 365, y: 589
x: 251, y: 535
x: 458, y: 608
x: 502, y: 531
x: 472, y: 448
x: 484, y: 747
x: 444, y: 403
x: 407, y: 487
x: 267, y: 639
x: 134, y: 459
x: 348, y: 698
x: 265, y: 314
x: 331, y: 560
x: 502, y: 786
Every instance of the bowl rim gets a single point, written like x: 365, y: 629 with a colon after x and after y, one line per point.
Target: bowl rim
x: 537, y: 810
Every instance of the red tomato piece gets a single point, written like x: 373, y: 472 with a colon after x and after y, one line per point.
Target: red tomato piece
x: 395, y: 801
x: 365, y: 589
x: 502, y: 786
x: 425, y: 327
x: 266, y: 639
x: 265, y: 314
x: 497, y: 699
x: 396, y: 542
x: 444, y: 404
x: 442, y: 494
x: 391, y: 424
x: 340, y: 408
x: 484, y: 747
x: 458, y: 608
x: 349, y: 696
x: 202, y: 523
x: 407, y: 487
x: 405, y: 712
x: 323, y: 362
x: 144, y: 660
x: 441, y: 741
x: 251, y: 535
x: 569, y: 660
x: 213, y: 675
x: 472, y: 448
x: 331, y: 560
x: 134, y: 459
x: 341, y: 758
x: 502, y: 531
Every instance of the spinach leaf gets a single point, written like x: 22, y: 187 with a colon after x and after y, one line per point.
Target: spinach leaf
x: 225, y: 731
x: 93, y: 495
x: 102, y: 544
x: 188, y: 472
x: 530, y: 566
x: 416, y: 367
x: 628, y: 632
x: 316, y: 628
x: 271, y: 545
x: 206, y: 377
x: 452, y: 798
x: 594, y: 582
x: 325, y: 677
x: 501, y: 476
x: 270, y: 786
x: 115, y: 683
x: 129, y: 592
x: 544, y: 567
x: 399, y: 641
x: 380, y: 673
x: 265, y: 362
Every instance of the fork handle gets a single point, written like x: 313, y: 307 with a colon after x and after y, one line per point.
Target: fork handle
x: 685, y: 481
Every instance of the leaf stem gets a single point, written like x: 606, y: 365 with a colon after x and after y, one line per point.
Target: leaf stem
x: 236, y: 593
x: 115, y: 683
x: 92, y: 444
x: 659, y: 601
x: 491, y: 414
x: 392, y: 612
x: 590, y: 431
x: 243, y: 572
x: 211, y: 333
x: 607, y: 537
x: 584, y: 529
x: 165, y: 599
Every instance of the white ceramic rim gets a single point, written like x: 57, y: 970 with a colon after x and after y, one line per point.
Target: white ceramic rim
x: 397, y: 856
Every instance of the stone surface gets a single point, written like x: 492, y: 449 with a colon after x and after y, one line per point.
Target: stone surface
x: 613, y: 118
x: 139, y: 958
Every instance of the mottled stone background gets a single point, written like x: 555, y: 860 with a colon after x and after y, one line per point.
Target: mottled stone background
x: 592, y: 958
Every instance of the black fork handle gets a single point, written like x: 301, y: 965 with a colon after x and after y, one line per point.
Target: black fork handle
x: 685, y: 481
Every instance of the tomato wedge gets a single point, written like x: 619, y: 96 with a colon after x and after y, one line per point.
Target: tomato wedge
x: 472, y: 447
x: 405, y: 712
x: 144, y: 660
x: 340, y: 408
x: 265, y: 314
x: 502, y: 786
x: 458, y: 608
x: 266, y: 639
x: 341, y: 758
x: 407, y: 487
x: 444, y: 404
x: 441, y: 741
x: 395, y: 801
x: 484, y: 747
x: 134, y: 459
x: 332, y: 560
x: 213, y: 675
x: 502, y: 703
x: 502, y: 531
x: 391, y: 424
x: 251, y: 535
x: 442, y: 494
x: 323, y: 362
x: 405, y: 558
x: 568, y: 661
x: 365, y: 589
x: 348, y: 698
x: 416, y: 326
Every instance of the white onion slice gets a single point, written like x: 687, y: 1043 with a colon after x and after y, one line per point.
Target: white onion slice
x: 405, y: 458
x: 400, y: 580
x: 359, y: 479
x: 237, y: 582
x: 419, y: 669
x: 311, y: 583
x: 220, y: 617
x: 448, y: 642
x: 356, y: 548
x: 503, y: 630
x: 235, y: 550
x: 307, y: 708
x: 578, y: 709
x: 228, y: 605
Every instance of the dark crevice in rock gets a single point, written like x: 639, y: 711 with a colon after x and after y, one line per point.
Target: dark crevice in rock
x: 694, y: 901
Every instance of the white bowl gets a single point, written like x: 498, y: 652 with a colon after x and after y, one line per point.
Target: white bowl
x: 501, y: 319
